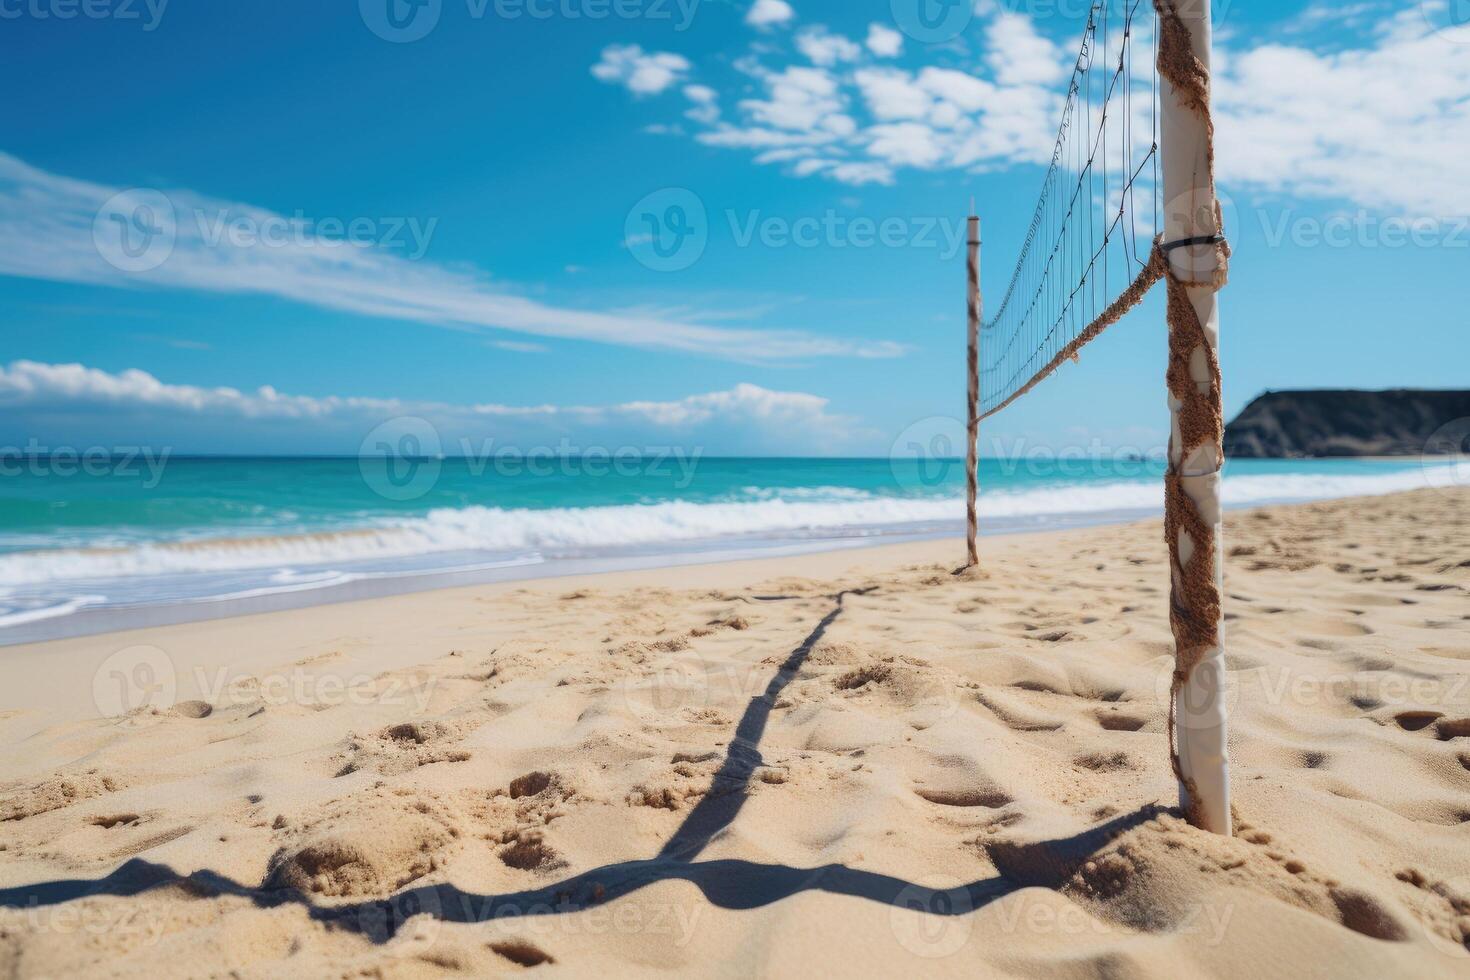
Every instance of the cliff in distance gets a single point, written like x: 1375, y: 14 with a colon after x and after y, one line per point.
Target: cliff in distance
x: 1399, y: 422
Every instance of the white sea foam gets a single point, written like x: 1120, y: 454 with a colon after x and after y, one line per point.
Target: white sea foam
x: 15, y: 613
x: 565, y: 532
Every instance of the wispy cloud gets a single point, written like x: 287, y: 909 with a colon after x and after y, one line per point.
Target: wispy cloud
x: 58, y: 228
x: 519, y: 346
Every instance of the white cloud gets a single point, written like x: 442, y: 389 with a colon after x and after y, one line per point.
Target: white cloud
x: 1381, y: 119
x: 892, y: 94
x: 809, y: 121
x: 1320, y: 13
x: 47, y: 232
x: 906, y: 144
x: 826, y: 49
x: 769, y: 13
x: 1384, y: 126
x: 42, y: 397
x: 858, y: 174
x: 643, y: 73
x: 800, y: 99
x: 1019, y: 55
x: 29, y: 384
x: 706, y: 109
x: 883, y: 41
x: 966, y: 92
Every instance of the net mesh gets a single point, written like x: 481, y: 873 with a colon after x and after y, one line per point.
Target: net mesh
x: 1088, y: 252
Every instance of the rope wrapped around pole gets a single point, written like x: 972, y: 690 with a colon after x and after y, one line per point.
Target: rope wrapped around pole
x: 972, y: 428
x: 1196, y: 453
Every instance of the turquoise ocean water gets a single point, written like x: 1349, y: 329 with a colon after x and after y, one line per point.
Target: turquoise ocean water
x: 123, y: 541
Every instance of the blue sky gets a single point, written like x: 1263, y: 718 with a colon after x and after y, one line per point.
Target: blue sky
x: 495, y: 173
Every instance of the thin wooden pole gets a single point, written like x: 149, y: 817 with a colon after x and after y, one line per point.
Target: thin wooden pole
x: 972, y: 430
x: 1190, y: 212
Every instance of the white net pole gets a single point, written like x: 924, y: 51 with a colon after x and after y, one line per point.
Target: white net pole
x: 1190, y: 212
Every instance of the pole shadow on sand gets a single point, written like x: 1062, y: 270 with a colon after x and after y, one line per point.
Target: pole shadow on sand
x: 729, y: 884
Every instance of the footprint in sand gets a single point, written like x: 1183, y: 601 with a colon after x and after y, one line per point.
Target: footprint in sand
x: 1448, y: 728
x: 529, y: 852
x: 108, y: 821
x: 1117, y: 721
x: 521, y: 952
x: 1365, y: 914
x: 1414, y: 721
x: 1105, y: 761
x: 992, y: 799
x: 531, y: 784
x: 55, y: 793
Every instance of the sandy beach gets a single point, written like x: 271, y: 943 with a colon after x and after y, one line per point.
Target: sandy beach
x: 856, y: 763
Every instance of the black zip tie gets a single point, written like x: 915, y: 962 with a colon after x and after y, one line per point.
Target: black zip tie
x: 1168, y: 247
